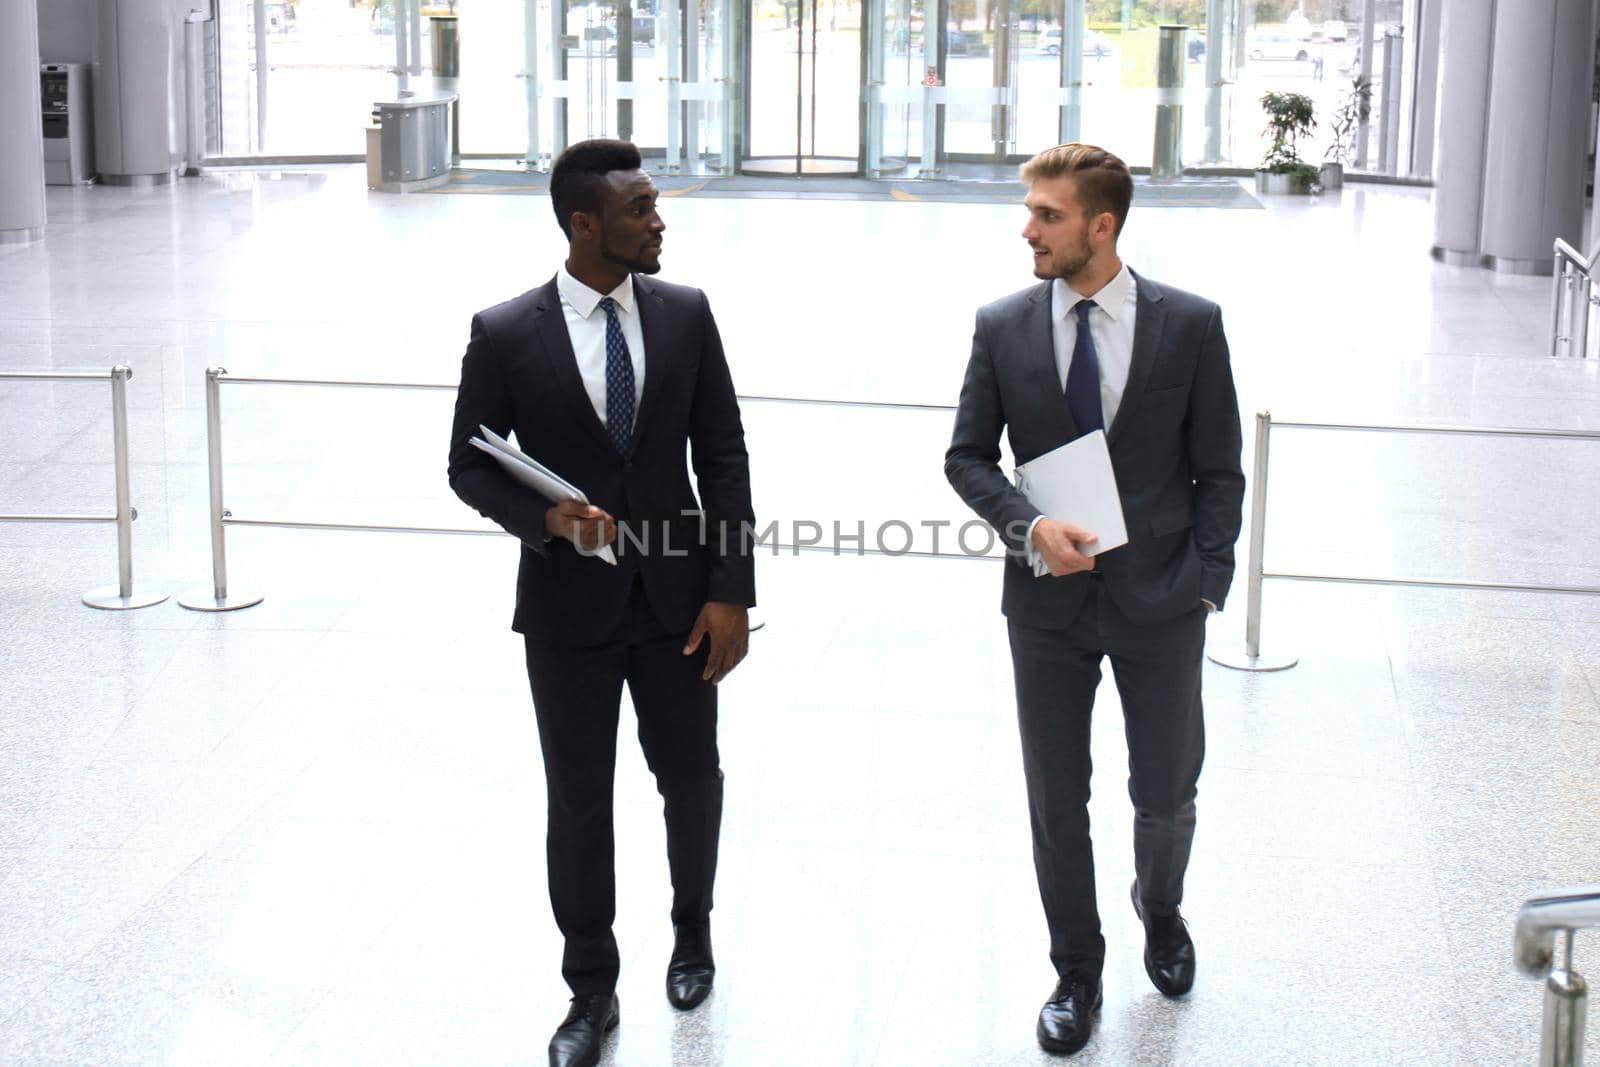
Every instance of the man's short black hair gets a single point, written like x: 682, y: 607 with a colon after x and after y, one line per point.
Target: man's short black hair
x: 578, y: 180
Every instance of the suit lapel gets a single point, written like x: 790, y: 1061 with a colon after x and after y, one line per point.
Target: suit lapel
x: 1150, y: 320
x: 653, y: 327
x: 552, y: 326
x: 1039, y: 349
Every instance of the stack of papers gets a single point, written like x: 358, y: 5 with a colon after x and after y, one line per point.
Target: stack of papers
x: 535, y: 475
x: 1075, y: 483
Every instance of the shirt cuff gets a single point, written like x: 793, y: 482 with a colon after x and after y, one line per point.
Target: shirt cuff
x: 1209, y: 605
x: 1027, y: 541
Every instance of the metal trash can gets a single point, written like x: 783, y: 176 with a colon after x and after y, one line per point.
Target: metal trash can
x: 446, y: 71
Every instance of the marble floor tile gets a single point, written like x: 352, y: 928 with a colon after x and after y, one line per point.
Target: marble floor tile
x: 312, y: 831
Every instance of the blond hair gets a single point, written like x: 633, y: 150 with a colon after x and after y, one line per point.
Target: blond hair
x: 1102, y: 181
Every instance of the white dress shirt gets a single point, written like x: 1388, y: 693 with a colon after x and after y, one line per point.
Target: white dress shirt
x: 1111, y: 326
x: 586, y: 326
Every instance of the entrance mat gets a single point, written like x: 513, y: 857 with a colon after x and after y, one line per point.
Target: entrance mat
x: 1197, y: 192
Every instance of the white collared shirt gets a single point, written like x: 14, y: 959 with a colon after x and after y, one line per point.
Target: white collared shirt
x: 586, y: 326
x: 1111, y: 326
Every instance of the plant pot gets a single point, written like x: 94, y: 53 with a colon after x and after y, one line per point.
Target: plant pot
x: 1332, y: 176
x: 1274, y: 184
x: 1281, y: 184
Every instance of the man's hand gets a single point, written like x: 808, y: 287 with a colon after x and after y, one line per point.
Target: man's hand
x: 728, y: 626
x: 1057, y: 543
x: 583, y: 524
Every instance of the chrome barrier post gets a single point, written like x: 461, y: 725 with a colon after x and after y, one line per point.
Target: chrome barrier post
x: 121, y: 597
x: 1563, y: 281
x: 216, y: 598
x: 1583, y: 295
x: 1252, y: 659
x: 1566, y: 994
x: 1566, y: 1001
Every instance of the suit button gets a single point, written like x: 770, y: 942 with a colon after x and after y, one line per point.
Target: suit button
x: 627, y: 465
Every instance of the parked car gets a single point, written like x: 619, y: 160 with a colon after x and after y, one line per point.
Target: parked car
x: 1095, y: 45
x: 1276, y: 44
x: 966, y: 43
x: 1334, y: 30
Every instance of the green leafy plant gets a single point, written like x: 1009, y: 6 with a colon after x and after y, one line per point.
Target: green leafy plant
x: 1290, y: 116
x: 1347, y: 118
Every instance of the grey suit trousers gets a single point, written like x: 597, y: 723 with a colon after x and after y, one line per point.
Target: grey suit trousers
x: 1157, y: 672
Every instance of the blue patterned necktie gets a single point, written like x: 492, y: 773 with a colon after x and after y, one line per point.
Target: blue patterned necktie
x: 619, y: 380
x: 1083, y: 377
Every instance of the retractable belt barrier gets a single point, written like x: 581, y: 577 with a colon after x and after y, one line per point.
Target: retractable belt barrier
x: 122, y: 596
x: 219, y: 597
x: 1251, y: 658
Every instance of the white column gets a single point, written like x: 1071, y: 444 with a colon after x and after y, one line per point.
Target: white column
x: 1536, y: 150
x: 135, y: 121
x: 1424, y: 88
x: 21, y: 135
x: 1467, y: 39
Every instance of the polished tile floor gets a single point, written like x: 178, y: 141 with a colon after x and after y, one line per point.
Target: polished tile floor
x: 311, y: 832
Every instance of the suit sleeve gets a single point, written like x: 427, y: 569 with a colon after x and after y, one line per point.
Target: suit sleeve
x: 722, y: 472
x: 972, y: 462
x: 1214, y: 441
x: 477, y: 479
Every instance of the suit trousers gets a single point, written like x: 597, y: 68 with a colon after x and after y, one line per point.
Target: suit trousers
x: 1157, y: 671
x: 577, y: 691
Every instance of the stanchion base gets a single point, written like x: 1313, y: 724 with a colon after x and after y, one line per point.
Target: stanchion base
x: 1243, y: 661
x: 110, y: 598
x: 207, y: 600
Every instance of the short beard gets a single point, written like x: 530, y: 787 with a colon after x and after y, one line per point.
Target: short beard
x: 634, y: 266
x: 1065, y: 270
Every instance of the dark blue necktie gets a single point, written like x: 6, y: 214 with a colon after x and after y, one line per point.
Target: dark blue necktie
x: 1083, y: 377
x: 619, y: 380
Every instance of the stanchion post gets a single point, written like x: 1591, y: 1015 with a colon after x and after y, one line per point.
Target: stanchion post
x: 1566, y: 1001
x: 216, y: 598
x: 1558, y: 320
x: 1252, y: 659
x: 122, y: 596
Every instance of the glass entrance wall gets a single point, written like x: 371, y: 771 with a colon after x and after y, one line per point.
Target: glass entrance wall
x: 884, y: 88
x: 804, y: 86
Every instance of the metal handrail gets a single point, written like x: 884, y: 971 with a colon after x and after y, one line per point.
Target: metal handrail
x: 219, y: 597
x: 1251, y: 659
x: 1573, y: 271
x: 1541, y: 917
x: 122, y: 596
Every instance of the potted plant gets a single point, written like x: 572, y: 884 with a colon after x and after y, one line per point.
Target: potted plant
x: 1290, y: 116
x: 1346, y: 123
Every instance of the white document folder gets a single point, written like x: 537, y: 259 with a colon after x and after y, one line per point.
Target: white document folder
x: 1075, y: 483
x: 535, y: 475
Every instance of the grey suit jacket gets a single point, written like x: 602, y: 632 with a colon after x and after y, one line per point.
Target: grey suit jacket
x: 1174, y: 445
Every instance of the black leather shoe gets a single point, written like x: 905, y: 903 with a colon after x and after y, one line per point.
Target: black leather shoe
x: 1067, y: 1017
x: 691, y: 970
x: 577, y: 1040
x: 1168, y: 950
